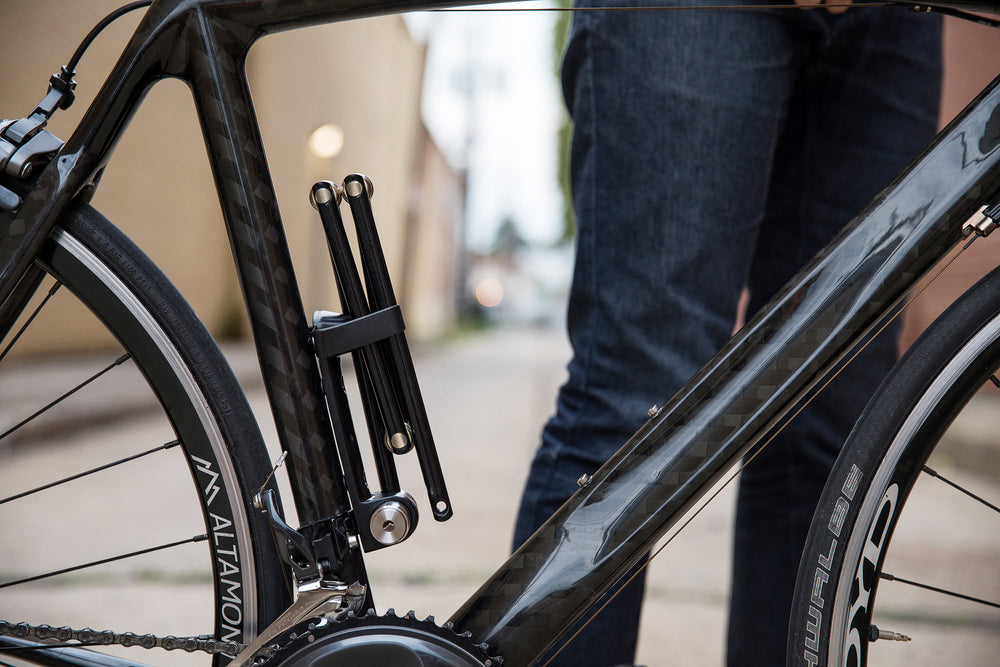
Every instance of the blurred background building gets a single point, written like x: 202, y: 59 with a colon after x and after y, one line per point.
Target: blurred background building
x: 360, y: 87
x: 343, y: 98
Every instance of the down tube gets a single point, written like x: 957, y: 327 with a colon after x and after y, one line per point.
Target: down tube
x: 742, y: 396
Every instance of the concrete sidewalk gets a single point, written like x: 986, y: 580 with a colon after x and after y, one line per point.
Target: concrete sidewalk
x: 487, y: 397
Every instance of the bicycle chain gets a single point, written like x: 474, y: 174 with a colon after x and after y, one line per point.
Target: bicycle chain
x: 88, y: 637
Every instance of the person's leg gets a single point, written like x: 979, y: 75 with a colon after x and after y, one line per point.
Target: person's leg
x: 675, y: 118
x: 862, y: 111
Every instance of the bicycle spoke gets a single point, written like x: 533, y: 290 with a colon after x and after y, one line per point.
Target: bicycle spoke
x: 117, y: 362
x: 106, y: 466
x: 952, y: 484
x: 889, y: 577
x: 30, y: 319
x: 104, y: 561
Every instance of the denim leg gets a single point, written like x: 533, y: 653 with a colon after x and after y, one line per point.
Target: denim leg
x: 678, y: 118
x: 862, y: 110
x: 666, y: 232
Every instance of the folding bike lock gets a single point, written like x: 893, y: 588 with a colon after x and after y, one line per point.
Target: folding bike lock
x: 371, y: 330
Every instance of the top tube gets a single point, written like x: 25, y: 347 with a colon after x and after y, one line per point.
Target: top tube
x: 269, y: 16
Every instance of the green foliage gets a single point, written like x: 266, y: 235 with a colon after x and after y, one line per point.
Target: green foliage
x: 560, y: 35
x: 507, y: 241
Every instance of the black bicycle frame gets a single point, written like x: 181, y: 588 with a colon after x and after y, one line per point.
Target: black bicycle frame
x: 737, y: 402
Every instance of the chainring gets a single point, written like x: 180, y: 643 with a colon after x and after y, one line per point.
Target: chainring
x: 372, y: 640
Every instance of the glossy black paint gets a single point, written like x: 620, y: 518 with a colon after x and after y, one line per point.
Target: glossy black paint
x: 743, y: 396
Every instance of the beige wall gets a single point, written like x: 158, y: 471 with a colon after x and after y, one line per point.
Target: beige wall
x: 157, y: 188
x: 430, y: 279
x: 365, y: 76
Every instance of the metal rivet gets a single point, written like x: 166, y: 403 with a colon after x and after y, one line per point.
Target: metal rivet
x: 390, y: 523
x: 324, y: 192
x: 353, y: 188
x: 399, y: 443
x: 354, y: 184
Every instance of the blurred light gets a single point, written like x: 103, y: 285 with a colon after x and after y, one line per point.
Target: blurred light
x: 326, y: 141
x: 489, y: 292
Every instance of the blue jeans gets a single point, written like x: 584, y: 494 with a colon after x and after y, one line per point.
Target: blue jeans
x: 716, y: 150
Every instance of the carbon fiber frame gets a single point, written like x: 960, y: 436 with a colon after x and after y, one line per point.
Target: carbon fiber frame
x: 739, y: 400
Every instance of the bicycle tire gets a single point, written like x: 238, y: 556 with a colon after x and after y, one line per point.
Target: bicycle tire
x: 870, y: 485
x: 220, y: 444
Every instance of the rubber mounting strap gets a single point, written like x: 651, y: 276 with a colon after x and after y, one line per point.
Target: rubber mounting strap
x: 338, y: 339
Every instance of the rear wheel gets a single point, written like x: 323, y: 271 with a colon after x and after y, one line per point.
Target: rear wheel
x: 127, y: 474
x: 905, y: 539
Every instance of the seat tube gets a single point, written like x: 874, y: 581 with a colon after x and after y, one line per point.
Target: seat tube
x: 280, y: 328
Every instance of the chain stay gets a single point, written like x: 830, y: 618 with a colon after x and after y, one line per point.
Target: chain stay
x: 88, y: 637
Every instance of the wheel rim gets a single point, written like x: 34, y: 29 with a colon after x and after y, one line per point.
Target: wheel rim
x: 870, y: 551
x: 215, y: 534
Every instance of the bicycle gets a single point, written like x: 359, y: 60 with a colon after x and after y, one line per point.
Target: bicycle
x: 52, y: 239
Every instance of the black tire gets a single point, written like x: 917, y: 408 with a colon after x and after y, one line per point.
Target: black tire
x: 221, y: 458
x: 870, y: 488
